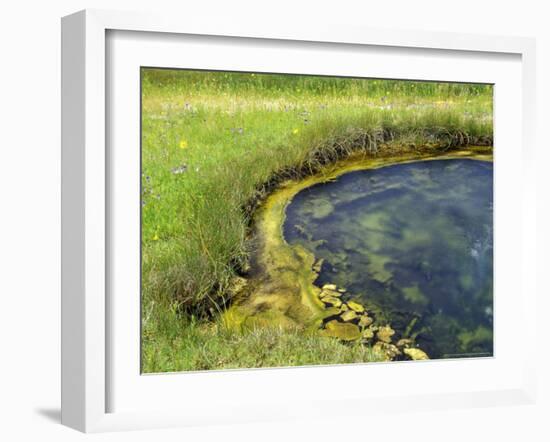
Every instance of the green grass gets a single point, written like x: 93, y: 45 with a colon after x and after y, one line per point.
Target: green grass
x: 213, y: 144
x: 191, y: 345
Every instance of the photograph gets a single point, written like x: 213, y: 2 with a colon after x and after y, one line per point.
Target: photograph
x: 245, y: 222
x: 298, y: 220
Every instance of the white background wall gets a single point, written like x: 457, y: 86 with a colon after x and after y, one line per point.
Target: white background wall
x: 30, y: 220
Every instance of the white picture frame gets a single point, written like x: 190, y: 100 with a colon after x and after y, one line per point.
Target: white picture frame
x: 87, y: 319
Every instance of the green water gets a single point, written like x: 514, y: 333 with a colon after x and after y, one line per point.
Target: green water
x: 414, y: 243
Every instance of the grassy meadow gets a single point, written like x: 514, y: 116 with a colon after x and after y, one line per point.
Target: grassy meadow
x: 213, y: 145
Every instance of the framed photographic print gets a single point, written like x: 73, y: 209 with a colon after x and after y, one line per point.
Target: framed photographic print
x: 252, y: 214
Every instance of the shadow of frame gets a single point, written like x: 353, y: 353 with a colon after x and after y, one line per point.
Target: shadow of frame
x: 51, y: 414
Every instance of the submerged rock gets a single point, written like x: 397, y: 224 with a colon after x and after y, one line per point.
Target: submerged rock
x: 405, y: 342
x: 356, y: 306
x: 332, y: 293
x: 385, y: 333
x: 342, y: 330
x: 365, y: 321
x: 331, y: 300
x: 368, y: 333
x: 332, y: 311
x: 329, y: 287
x: 416, y: 354
x: 348, y: 316
x: 322, y: 209
x: 389, y: 351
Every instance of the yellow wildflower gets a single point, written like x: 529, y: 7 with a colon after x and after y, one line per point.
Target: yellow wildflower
x: 184, y: 144
x: 155, y: 237
x: 295, y: 131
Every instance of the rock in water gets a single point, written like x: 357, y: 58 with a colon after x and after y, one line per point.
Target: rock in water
x: 331, y: 300
x: 385, y: 333
x: 342, y: 330
x: 415, y: 354
x: 329, y: 287
x: 332, y: 293
x: 389, y: 351
x: 348, y: 316
x: 367, y: 333
x: 365, y: 321
x: 355, y: 306
x: 405, y: 342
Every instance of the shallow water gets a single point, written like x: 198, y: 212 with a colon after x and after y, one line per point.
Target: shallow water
x: 414, y: 243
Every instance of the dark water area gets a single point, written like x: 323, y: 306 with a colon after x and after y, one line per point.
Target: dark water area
x: 414, y: 243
